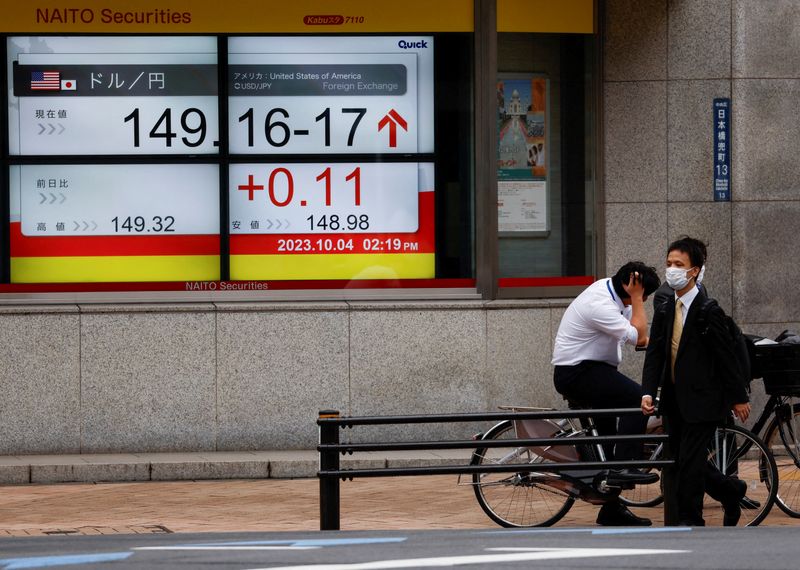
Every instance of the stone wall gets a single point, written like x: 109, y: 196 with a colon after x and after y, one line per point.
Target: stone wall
x: 224, y: 377
x: 665, y: 61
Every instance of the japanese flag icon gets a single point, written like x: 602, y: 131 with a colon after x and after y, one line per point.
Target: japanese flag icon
x: 69, y: 85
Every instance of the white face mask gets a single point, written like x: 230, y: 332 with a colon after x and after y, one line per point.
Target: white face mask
x: 677, y: 277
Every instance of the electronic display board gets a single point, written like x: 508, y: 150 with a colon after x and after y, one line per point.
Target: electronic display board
x: 299, y: 95
x: 113, y: 95
x: 342, y: 212
x: 114, y: 222
x: 324, y: 198
x: 339, y: 96
x: 317, y: 231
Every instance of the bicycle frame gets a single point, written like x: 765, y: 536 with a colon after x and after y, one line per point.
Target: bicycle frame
x: 781, y: 408
x: 586, y: 485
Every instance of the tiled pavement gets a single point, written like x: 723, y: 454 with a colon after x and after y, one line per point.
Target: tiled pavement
x: 256, y: 504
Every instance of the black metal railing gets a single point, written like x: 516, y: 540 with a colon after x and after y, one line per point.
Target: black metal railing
x: 330, y: 472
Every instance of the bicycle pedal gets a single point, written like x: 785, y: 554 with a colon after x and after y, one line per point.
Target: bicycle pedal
x: 624, y: 486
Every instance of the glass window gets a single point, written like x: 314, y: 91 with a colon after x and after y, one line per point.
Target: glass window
x: 546, y: 153
x: 151, y: 214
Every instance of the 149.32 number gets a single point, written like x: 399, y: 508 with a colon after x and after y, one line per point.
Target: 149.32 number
x: 138, y: 224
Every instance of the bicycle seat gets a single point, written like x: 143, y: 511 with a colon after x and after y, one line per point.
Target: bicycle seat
x: 574, y: 404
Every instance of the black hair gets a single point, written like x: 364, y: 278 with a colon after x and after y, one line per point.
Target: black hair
x: 647, y: 274
x: 694, y: 248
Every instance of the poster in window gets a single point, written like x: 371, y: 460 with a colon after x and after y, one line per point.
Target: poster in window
x: 522, y: 150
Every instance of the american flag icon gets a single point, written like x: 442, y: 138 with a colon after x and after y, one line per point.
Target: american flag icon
x: 46, y: 80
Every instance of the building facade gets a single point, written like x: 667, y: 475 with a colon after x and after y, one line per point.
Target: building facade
x: 544, y: 144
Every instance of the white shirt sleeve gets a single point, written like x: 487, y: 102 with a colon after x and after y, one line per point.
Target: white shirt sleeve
x: 608, y: 319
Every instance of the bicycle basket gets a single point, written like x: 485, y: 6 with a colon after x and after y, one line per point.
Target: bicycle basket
x: 780, y: 365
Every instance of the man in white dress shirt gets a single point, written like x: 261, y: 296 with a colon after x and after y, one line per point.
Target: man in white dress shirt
x: 586, y: 354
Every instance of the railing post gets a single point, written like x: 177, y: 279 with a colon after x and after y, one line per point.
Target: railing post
x: 328, y: 486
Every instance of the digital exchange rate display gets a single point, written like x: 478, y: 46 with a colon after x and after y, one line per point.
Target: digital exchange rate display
x: 103, y: 223
x: 107, y: 96
x: 333, y: 99
x: 128, y: 96
x: 340, y: 104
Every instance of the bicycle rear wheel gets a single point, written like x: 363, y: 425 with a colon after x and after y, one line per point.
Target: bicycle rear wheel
x: 739, y: 453
x: 783, y: 440
x: 517, y: 499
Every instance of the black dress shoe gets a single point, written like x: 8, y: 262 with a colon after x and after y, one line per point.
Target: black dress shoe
x: 617, y: 514
x: 731, y: 505
x: 749, y: 504
x: 618, y: 477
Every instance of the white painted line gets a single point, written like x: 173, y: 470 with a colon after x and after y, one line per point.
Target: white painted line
x: 538, y: 554
x: 254, y: 547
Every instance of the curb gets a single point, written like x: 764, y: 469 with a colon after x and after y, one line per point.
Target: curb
x: 104, y: 468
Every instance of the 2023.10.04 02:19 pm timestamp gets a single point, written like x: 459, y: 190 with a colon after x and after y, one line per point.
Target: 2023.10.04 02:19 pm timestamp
x: 349, y: 245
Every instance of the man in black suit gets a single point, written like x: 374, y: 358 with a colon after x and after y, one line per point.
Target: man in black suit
x: 698, y: 382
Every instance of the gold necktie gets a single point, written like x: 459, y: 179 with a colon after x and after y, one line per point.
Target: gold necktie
x: 677, y: 329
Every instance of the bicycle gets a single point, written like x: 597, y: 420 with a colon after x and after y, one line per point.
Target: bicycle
x: 778, y: 364
x: 542, y: 497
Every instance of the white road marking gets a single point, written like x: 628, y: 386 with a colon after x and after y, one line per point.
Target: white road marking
x: 531, y: 554
x: 254, y: 547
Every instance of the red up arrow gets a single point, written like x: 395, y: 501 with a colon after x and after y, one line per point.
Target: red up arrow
x: 393, y: 118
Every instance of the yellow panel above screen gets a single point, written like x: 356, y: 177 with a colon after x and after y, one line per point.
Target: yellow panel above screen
x: 237, y: 16
x: 546, y: 16
x: 333, y: 266
x: 102, y: 269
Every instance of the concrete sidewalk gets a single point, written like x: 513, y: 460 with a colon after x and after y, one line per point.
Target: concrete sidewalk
x: 245, y: 500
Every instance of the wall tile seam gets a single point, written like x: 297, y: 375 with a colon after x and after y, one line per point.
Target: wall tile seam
x: 268, y: 310
x: 522, y: 304
x: 216, y: 383
x: 732, y: 55
x: 36, y: 310
x: 670, y: 79
x: 412, y: 306
x: 765, y: 78
x: 770, y: 200
x: 139, y: 311
x: 349, y: 363
x: 637, y: 81
x: 626, y: 202
x: 707, y: 201
x: 277, y: 305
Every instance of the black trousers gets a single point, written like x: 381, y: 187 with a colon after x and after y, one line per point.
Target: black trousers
x: 696, y: 476
x: 600, y: 385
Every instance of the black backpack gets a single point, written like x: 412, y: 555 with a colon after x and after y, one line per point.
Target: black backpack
x: 743, y: 345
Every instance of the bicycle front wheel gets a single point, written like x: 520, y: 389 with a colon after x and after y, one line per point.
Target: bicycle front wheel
x: 739, y: 453
x: 517, y: 499
x: 783, y: 440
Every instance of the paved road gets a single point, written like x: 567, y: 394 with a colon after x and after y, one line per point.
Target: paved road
x: 655, y: 548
